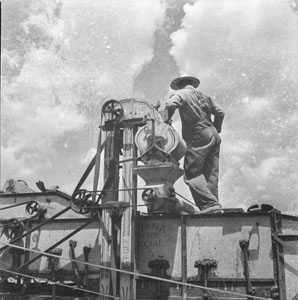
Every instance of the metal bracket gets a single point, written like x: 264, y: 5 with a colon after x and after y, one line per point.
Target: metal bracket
x: 74, y: 264
x: 53, y: 262
x: 86, y: 251
x: 103, y: 227
x: 205, y: 267
x: 159, y: 269
x: 279, y: 240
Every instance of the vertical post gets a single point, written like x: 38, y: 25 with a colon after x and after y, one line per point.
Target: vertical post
x: 53, y: 266
x: 108, y: 279
x: 28, y: 226
x: 127, y: 242
x: 96, y: 167
x: 183, y: 256
x: 244, y: 244
x: 277, y: 251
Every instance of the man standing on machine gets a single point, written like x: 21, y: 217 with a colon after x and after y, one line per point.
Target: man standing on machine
x: 201, y: 134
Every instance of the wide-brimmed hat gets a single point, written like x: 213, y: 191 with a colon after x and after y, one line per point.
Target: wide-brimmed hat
x: 181, y: 82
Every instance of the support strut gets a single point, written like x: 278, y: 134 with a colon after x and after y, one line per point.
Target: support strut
x: 37, y: 227
x: 56, y: 244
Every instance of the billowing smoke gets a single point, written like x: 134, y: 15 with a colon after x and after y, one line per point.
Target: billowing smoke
x: 61, y: 59
x: 246, y: 55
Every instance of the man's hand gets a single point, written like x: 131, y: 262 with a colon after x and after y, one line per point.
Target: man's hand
x: 169, y: 122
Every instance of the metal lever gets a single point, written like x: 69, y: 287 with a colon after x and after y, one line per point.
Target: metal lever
x: 72, y: 246
x: 244, y: 248
x: 86, y: 251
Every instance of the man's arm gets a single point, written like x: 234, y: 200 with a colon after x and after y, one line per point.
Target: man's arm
x: 218, y: 113
x: 172, y: 104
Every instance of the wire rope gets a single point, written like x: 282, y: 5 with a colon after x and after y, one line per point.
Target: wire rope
x: 184, y: 198
x: 15, y: 205
x: 117, y: 190
x: 16, y: 221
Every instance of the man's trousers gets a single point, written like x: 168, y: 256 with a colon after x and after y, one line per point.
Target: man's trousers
x: 201, y: 166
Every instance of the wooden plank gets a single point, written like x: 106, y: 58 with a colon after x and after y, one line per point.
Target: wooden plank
x: 183, y: 256
x: 127, y: 243
x: 108, y: 279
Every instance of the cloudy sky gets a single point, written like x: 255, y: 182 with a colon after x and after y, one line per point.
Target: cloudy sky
x: 62, y: 58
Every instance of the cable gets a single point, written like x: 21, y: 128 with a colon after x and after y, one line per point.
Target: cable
x: 17, y: 221
x: 184, y: 198
x: 15, y: 205
x: 63, y: 285
x: 134, y: 189
x: 102, y: 206
x: 137, y: 274
x: 126, y: 160
x: 117, y: 190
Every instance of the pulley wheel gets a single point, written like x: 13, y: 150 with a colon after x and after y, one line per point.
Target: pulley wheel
x: 149, y: 195
x: 80, y: 202
x: 13, y: 229
x: 112, y: 110
x: 32, y: 208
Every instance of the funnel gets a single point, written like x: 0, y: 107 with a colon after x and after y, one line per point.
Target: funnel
x: 159, y: 173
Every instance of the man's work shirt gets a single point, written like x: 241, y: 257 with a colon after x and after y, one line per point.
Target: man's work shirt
x: 195, y: 112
